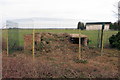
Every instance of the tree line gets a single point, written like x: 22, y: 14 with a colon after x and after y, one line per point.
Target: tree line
x: 81, y: 26
x: 113, y: 26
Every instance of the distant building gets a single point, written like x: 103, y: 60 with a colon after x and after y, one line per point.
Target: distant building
x: 97, y: 25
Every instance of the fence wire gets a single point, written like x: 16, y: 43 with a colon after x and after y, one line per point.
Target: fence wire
x: 25, y: 39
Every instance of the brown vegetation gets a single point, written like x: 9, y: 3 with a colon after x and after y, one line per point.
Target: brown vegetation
x: 62, y: 65
x: 57, y: 57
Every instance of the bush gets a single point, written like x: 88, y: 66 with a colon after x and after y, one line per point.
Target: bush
x: 114, y: 40
x: 4, y: 44
x: 81, y: 26
x: 81, y: 61
x: 115, y: 25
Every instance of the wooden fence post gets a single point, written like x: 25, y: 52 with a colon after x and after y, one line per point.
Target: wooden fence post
x: 33, y: 50
x: 98, y: 40
x: 79, y: 47
x: 102, y: 34
x: 7, y: 42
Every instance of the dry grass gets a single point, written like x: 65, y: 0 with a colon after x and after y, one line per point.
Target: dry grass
x: 61, y: 65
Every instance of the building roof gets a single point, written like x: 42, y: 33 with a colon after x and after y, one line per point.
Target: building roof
x: 78, y: 35
x: 98, y: 23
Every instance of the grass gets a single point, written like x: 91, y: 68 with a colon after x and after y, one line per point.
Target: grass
x: 92, y: 35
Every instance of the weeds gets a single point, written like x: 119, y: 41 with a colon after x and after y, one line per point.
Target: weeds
x: 48, y: 39
x: 81, y: 61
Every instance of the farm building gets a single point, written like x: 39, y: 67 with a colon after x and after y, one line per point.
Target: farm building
x: 97, y: 25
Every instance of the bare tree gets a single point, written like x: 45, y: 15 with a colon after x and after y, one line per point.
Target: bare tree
x: 116, y: 10
x: 119, y: 11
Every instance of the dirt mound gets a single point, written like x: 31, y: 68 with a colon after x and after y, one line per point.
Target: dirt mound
x: 50, y: 42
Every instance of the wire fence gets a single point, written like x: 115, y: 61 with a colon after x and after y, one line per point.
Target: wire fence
x: 21, y: 39
x: 0, y: 53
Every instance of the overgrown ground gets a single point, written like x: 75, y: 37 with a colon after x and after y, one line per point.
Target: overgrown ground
x: 58, y: 58
x: 62, y: 65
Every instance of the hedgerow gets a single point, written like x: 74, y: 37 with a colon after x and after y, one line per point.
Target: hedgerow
x: 114, y: 40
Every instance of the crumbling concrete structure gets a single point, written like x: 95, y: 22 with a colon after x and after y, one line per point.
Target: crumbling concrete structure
x: 28, y: 39
x: 75, y: 38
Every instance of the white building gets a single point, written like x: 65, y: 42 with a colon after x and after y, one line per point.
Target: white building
x: 97, y: 25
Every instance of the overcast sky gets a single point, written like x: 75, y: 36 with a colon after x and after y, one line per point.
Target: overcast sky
x: 83, y: 10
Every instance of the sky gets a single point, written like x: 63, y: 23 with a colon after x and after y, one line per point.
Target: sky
x: 82, y: 10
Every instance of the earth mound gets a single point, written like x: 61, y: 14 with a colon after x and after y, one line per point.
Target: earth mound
x: 50, y: 42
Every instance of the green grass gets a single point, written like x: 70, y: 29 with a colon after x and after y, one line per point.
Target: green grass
x: 92, y: 35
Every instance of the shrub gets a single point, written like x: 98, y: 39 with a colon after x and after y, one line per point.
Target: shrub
x: 40, y: 46
x: 13, y: 46
x: 4, y: 44
x: 115, y: 25
x: 114, y: 40
x: 81, y: 61
x: 81, y: 26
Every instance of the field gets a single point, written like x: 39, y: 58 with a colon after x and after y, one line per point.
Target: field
x: 92, y: 35
x: 58, y: 58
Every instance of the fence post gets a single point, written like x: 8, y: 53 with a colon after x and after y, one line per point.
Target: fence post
x: 33, y: 50
x: 79, y: 47
x: 7, y: 42
x: 98, y: 40
x: 102, y: 32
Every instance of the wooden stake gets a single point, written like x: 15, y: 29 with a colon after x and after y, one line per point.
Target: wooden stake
x: 102, y: 32
x: 7, y: 42
x: 33, y: 53
x: 98, y: 40
x: 79, y: 47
